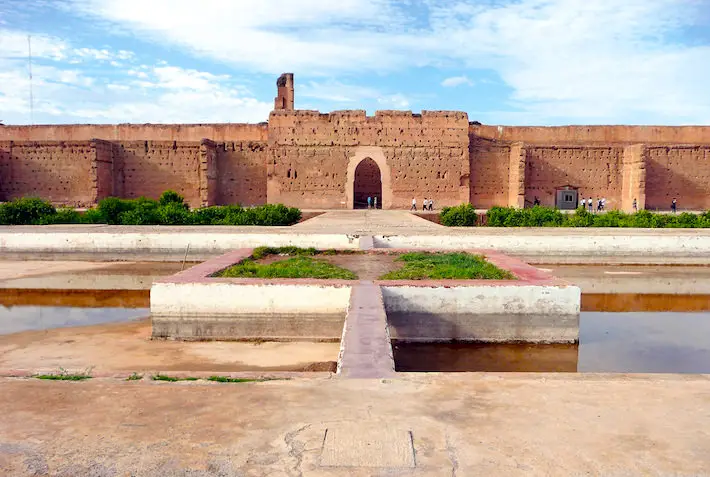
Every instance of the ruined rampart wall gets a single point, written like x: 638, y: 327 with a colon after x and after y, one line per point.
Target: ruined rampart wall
x: 310, y: 153
x: 490, y: 169
x: 594, y: 170
x: 136, y: 132
x: 680, y: 171
x: 241, y: 172
x: 58, y: 171
x: 595, y: 134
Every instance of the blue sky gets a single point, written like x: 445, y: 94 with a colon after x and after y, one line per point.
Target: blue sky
x: 517, y: 62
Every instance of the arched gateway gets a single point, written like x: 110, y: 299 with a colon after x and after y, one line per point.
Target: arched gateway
x: 368, y: 175
x: 368, y: 183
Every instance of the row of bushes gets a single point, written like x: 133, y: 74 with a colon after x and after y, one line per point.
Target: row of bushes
x: 465, y: 216
x: 171, y: 209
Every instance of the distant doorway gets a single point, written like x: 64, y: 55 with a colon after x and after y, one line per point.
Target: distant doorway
x: 368, y: 183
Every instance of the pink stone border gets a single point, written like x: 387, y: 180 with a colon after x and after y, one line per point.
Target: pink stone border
x: 526, y: 274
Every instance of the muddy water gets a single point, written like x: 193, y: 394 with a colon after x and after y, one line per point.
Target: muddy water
x: 609, y: 342
x: 622, y: 302
x: 15, y: 319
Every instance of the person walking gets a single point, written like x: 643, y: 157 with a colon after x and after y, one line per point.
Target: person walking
x: 414, y: 204
x: 674, y: 205
x: 581, y: 204
x: 635, y: 206
x: 375, y: 202
x: 536, y: 202
x: 603, y: 203
x: 425, y: 205
x: 369, y: 202
x: 591, y: 205
x: 431, y: 204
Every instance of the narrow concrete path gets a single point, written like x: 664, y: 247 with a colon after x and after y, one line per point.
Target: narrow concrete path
x: 366, y: 350
x: 366, y: 222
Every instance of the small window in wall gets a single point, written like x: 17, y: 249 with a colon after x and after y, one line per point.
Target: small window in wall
x: 295, y: 174
x: 288, y: 174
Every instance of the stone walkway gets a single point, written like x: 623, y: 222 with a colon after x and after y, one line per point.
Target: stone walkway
x: 422, y: 425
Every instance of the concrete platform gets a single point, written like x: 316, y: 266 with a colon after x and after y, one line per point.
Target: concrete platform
x: 463, y: 425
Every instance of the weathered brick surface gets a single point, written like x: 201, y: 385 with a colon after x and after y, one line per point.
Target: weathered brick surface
x: 680, y: 171
x: 595, y: 170
x: 57, y: 171
x: 102, y: 169
x: 147, y: 168
x: 309, y: 154
x: 490, y: 170
x: 241, y: 172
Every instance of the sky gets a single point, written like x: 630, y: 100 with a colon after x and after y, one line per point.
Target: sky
x: 510, y: 62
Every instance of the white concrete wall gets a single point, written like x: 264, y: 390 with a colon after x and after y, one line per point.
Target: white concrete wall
x: 171, y: 242
x: 565, y: 246
x: 485, y: 300
x: 226, y: 298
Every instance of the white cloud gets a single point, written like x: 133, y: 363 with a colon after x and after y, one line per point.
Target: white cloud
x: 601, y: 60
x: 64, y: 92
x: 456, y: 81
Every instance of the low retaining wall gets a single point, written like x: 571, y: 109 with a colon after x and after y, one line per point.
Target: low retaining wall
x: 570, y: 246
x: 154, y: 243
x: 193, y: 305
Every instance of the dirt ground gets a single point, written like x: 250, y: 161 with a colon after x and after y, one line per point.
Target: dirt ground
x: 452, y: 425
x: 128, y: 347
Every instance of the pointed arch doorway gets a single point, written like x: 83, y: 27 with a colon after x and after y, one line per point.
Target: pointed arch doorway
x: 368, y: 174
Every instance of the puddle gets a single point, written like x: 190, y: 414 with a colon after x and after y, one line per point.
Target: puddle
x: 15, y: 319
x: 622, y: 302
x: 75, y: 298
x: 609, y: 342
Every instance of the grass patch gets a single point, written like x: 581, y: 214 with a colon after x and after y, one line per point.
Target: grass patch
x: 134, y: 377
x: 226, y: 379
x: 64, y: 375
x: 301, y: 263
x: 446, y: 266
x: 171, y: 379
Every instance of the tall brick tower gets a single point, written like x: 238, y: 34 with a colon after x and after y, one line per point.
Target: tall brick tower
x: 284, y: 95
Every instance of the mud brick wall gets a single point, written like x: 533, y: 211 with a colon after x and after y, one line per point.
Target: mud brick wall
x: 102, y: 169
x: 633, y: 177
x: 148, y: 168
x: 490, y: 171
x: 136, y: 132
x: 60, y: 172
x: 595, y: 170
x: 680, y: 171
x: 309, y: 155
x: 241, y: 172
x: 584, y: 135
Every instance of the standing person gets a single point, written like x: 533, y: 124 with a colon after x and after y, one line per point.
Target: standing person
x: 536, y: 201
x: 603, y: 203
x: 599, y: 204
x: 375, y: 202
x: 414, y: 204
x: 431, y: 204
x: 674, y: 205
x: 425, y: 205
x: 591, y: 204
x: 581, y: 204
x: 635, y: 206
x: 369, y: 202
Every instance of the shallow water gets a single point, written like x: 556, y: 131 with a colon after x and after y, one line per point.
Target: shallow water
x: 15, y: 319
x: 609, y: 342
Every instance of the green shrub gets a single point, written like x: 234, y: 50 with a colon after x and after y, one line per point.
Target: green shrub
x: 498, y: 216
x: 534, y: 217
x: 173, y: 213
x: 463, y: 215
x: 93, y: 216
x: 172, y: 197
x: 62, y: 216
x: 613, y: 218
x: 140, y: 211
x: 581, y: 218
x: 111, y: 209
x: 25, y: 211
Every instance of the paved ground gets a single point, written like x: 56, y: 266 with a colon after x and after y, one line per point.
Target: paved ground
x: 457, y: 425
x: 127, y: 347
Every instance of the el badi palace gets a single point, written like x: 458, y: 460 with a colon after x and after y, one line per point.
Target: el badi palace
x: 336, y: 160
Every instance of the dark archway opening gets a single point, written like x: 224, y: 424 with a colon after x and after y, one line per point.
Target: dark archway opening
x: 368, y: 183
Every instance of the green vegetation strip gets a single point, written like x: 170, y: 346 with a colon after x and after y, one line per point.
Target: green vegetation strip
x: 217, y: 379
x: 466, y: 216
x: 64, y: 375
x: 171, y: 209
x: 446, y: 266
x: 299, y: 264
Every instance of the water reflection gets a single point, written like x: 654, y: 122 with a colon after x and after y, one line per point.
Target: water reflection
x: 609, y: 342
x: 24, y: 318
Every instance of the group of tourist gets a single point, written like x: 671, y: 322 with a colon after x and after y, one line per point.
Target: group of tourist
x: 601, y: 204
x: 371, y: 201
x: 428, y: 204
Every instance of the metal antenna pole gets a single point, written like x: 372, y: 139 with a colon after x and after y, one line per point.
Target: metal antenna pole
x: 29, y: 63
